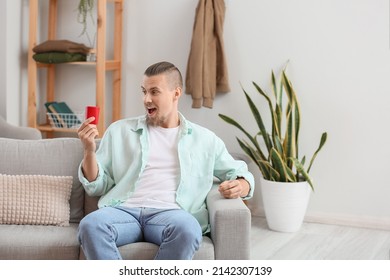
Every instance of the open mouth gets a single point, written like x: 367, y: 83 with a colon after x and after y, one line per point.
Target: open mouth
x: 151, y: 111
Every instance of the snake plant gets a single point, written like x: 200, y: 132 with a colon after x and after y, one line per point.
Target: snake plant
x: 276, y: 154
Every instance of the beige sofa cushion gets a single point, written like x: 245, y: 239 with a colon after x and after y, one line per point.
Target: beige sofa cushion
x: 35, y: 199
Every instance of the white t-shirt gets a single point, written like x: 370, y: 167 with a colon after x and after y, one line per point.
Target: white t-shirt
x: 159, y: 181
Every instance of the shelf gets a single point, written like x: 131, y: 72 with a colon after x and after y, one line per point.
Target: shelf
x: 110, y: 64
x: 102, y: 64
x: 49, y: 128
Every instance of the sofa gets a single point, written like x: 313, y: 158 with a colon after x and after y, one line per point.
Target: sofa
x: 40, y: 221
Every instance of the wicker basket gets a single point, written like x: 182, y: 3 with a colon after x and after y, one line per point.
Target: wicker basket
x: 61, y: 120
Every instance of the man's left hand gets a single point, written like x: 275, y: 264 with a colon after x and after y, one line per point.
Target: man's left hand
x: 234, y: 188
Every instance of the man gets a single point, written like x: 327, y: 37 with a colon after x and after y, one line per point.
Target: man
x: 153, y: 174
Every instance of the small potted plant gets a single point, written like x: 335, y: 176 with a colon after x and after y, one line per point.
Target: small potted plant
x: 285, y: 181
x: 86, y: 8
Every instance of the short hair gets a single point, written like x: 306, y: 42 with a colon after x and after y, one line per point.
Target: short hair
x: 168, y: 68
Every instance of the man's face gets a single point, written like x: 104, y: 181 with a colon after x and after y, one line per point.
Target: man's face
x: 160, y: 100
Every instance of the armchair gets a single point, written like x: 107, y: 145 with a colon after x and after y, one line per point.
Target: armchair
x: 229, y: 239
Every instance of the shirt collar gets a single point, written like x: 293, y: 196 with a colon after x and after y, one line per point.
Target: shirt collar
x: 185, y: 126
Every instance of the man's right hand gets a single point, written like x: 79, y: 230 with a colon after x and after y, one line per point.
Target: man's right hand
x: 87, y: 134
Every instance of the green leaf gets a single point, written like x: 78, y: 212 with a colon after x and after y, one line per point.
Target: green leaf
x: 322, y: 142
x: 279, y: 165
x: 279, y: 147
x: 278, y: 103
x: 273, y: 117
x: 292, y: 108
x: 303, y: 160
x: 302, y: 171
x: 277, y: 92
x: 273, y: 174
x: 290, y: 175
x: 236, y: 124
x: 289, y: 139
x: 254, y: 154
x: 259, y: 121
x: 274, y: 86
x: 278, y: 116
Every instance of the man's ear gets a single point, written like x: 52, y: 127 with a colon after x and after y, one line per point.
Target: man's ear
x: 178, y: 92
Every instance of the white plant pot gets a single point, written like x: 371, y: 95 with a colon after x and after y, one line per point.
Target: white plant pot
x: 285, y: 204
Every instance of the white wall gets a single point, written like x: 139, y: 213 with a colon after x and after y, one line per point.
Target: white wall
x: 339, y: 63
x: 12, y: 63
x: 339, y: 54
x: 3, y: 66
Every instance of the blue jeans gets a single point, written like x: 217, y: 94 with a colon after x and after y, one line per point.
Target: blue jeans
x: 176, y: 231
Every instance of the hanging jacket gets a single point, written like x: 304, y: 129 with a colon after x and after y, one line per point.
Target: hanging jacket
x: 207, y: 71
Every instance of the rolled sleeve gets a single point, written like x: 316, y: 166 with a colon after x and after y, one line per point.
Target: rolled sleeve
x: 95, y: 187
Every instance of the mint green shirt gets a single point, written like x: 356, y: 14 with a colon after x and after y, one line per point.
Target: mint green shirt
x: 123, y: 153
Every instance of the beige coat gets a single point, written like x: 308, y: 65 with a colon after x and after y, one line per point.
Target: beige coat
x: 207, y: 69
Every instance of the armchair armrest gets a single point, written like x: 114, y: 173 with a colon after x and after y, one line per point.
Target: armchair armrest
x: 230, y: 222
x: 18, y: 132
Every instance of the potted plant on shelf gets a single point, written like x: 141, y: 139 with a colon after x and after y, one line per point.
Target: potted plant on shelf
x: 85, y: 8
x: 285, y: 182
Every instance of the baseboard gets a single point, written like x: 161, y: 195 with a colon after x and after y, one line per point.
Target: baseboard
x: 344, y: 220
x: 378, y: 223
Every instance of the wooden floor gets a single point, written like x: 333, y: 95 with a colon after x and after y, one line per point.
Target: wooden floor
x: 318, y: 242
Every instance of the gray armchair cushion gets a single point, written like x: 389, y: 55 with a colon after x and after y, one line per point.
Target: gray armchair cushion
x: 17, y: 132
x: 147, y: 251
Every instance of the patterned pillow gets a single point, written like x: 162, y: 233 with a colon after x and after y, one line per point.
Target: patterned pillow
x: 35, y: 199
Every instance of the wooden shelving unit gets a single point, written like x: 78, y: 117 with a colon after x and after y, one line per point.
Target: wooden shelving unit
x: 102, y: 65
